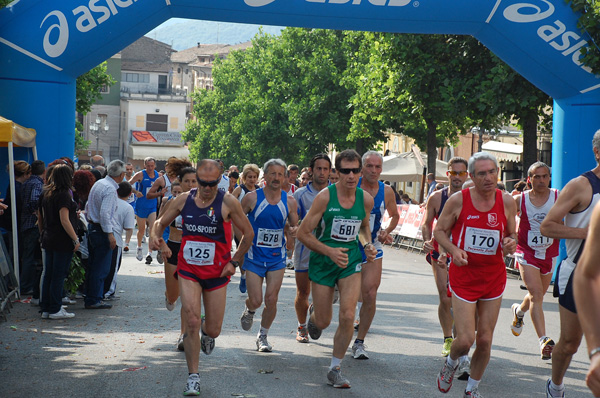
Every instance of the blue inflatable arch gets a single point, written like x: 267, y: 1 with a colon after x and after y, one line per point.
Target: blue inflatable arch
x: 45, y: 45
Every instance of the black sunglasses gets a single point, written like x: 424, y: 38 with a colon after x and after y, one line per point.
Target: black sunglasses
x: 355, y: 170
x: 211, y: 184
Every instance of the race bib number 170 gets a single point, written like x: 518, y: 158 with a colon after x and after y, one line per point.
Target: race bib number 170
x: 482, y: 241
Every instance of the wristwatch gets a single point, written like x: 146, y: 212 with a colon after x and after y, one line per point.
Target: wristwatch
x: 365, y: 246
x: 75, y: 242
x: 234, y: 263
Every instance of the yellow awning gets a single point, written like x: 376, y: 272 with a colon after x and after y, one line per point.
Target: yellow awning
x: 17, y: 134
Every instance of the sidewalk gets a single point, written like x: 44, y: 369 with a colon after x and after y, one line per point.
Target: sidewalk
x: 129, y: 350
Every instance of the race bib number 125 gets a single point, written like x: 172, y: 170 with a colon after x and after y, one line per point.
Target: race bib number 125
x: 199, y: 253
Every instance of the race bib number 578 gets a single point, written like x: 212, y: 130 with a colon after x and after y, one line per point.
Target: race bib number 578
x: 482, y: 241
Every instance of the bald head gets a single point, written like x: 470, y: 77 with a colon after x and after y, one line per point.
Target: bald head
x: 209, y: 170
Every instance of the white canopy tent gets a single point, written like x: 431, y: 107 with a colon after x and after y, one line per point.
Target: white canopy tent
x: 405, y: 167
x: 11, y: 135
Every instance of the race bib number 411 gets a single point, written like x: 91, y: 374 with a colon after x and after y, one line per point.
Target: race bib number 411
x: 482, y: 241
x: 344, y: 230
x: 199, y: 253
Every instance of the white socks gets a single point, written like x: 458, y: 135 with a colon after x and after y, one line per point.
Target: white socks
x: 335, y: 362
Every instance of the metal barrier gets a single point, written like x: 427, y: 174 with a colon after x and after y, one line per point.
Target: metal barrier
x: 8, y: 282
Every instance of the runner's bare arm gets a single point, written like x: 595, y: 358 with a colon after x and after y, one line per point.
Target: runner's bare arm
x: 392, y: 210
x: 292, y: 220
x: 575, y: 197
x: 443, y: 228
x: 158, y: 188
x: 136, y: 178
x: 172, y: 211
x: 509, y: 242
x: 364, y: 235
x: 587, y: 298
x: 248, y: 202
x: 517, y: 199
x: 309, y: 223
x: 431, y: 209
x: 241, y: 222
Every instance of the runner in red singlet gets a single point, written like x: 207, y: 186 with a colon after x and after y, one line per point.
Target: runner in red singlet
x: 205, y: 263
x: 482, y: 222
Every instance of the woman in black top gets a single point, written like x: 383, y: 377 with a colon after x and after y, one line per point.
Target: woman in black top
x: 57, y: 218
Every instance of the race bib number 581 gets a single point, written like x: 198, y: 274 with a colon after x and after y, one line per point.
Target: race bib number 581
x: 482, y: 241
x: 199, y: 253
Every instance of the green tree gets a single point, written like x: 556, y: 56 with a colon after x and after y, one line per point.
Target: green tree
x: 87, y: 93
x: 284, y: 97
x: 589, y: 24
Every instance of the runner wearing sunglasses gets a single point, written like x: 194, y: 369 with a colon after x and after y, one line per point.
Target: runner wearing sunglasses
x: 204, y: 264
x: 457, y: 174
x: 340, y: 218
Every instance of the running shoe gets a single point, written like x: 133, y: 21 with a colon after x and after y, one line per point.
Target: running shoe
x: 335, y: 378
x: 149, y: 258
x: 474, y: 393
x: 243, y: 285
x: 193, y: 385
x: 517, y: 324
x: 358, y: 351
x: 207, y: 343
x: 464, y: 369
x: 247, y: 319
x: 159, y: 257
x: 549, y: 393
x: 445, y: 377
x: 67, y: 301
x: 302, y: 335
x: 170, y: 306
x: 289, y: 263
x: 262, y: 345
x: 45, y: 315
x: 138, y: 254
x: 546, y: 348
x: 180, y: 346
x: 126, y: 248
x: 446, y: 347
x: 61, y: 314
x: 34, y: 301
x: 356, y: 323
x: 313, y: 331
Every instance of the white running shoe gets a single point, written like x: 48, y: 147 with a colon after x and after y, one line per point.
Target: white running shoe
x: 517, y: 324
x: 262, y: 345
x: 170, y: 306
x: 138, y: 254
x: 335, y: 378
x: 192, y: 386
x: 358, y: 351
x: 62, y: 314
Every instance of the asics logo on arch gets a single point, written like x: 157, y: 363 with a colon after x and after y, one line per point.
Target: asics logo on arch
x: 389, y: 3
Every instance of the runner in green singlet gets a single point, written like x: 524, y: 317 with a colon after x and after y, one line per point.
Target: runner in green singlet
x: 340, y: 215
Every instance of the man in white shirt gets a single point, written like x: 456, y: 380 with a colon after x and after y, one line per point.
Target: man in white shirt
x: 124, y: 219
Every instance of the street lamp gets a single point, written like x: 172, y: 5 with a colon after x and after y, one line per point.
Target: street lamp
x: 96, y: 130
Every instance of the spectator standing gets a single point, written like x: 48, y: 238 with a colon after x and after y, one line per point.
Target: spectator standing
x: 101, y: 208
x: 58, y: 220
x: 124, y: 220
x: 30, y: 234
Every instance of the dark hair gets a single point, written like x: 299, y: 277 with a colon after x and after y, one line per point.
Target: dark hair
x: 175, y: 165
x: 184, y: 171
x: 97, y: 174
x: 124, y: 189
x: 520, y: 186
x: 61, y: 179
x: 234, y: 174
x: 319, y: 156
x: 292, y: 167
x: 348, y: 155
x: 458, y: 159
x: 38, y: 167
x: 83, y: 180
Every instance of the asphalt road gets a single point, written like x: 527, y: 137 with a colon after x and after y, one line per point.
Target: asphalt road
x: 130, y: 349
